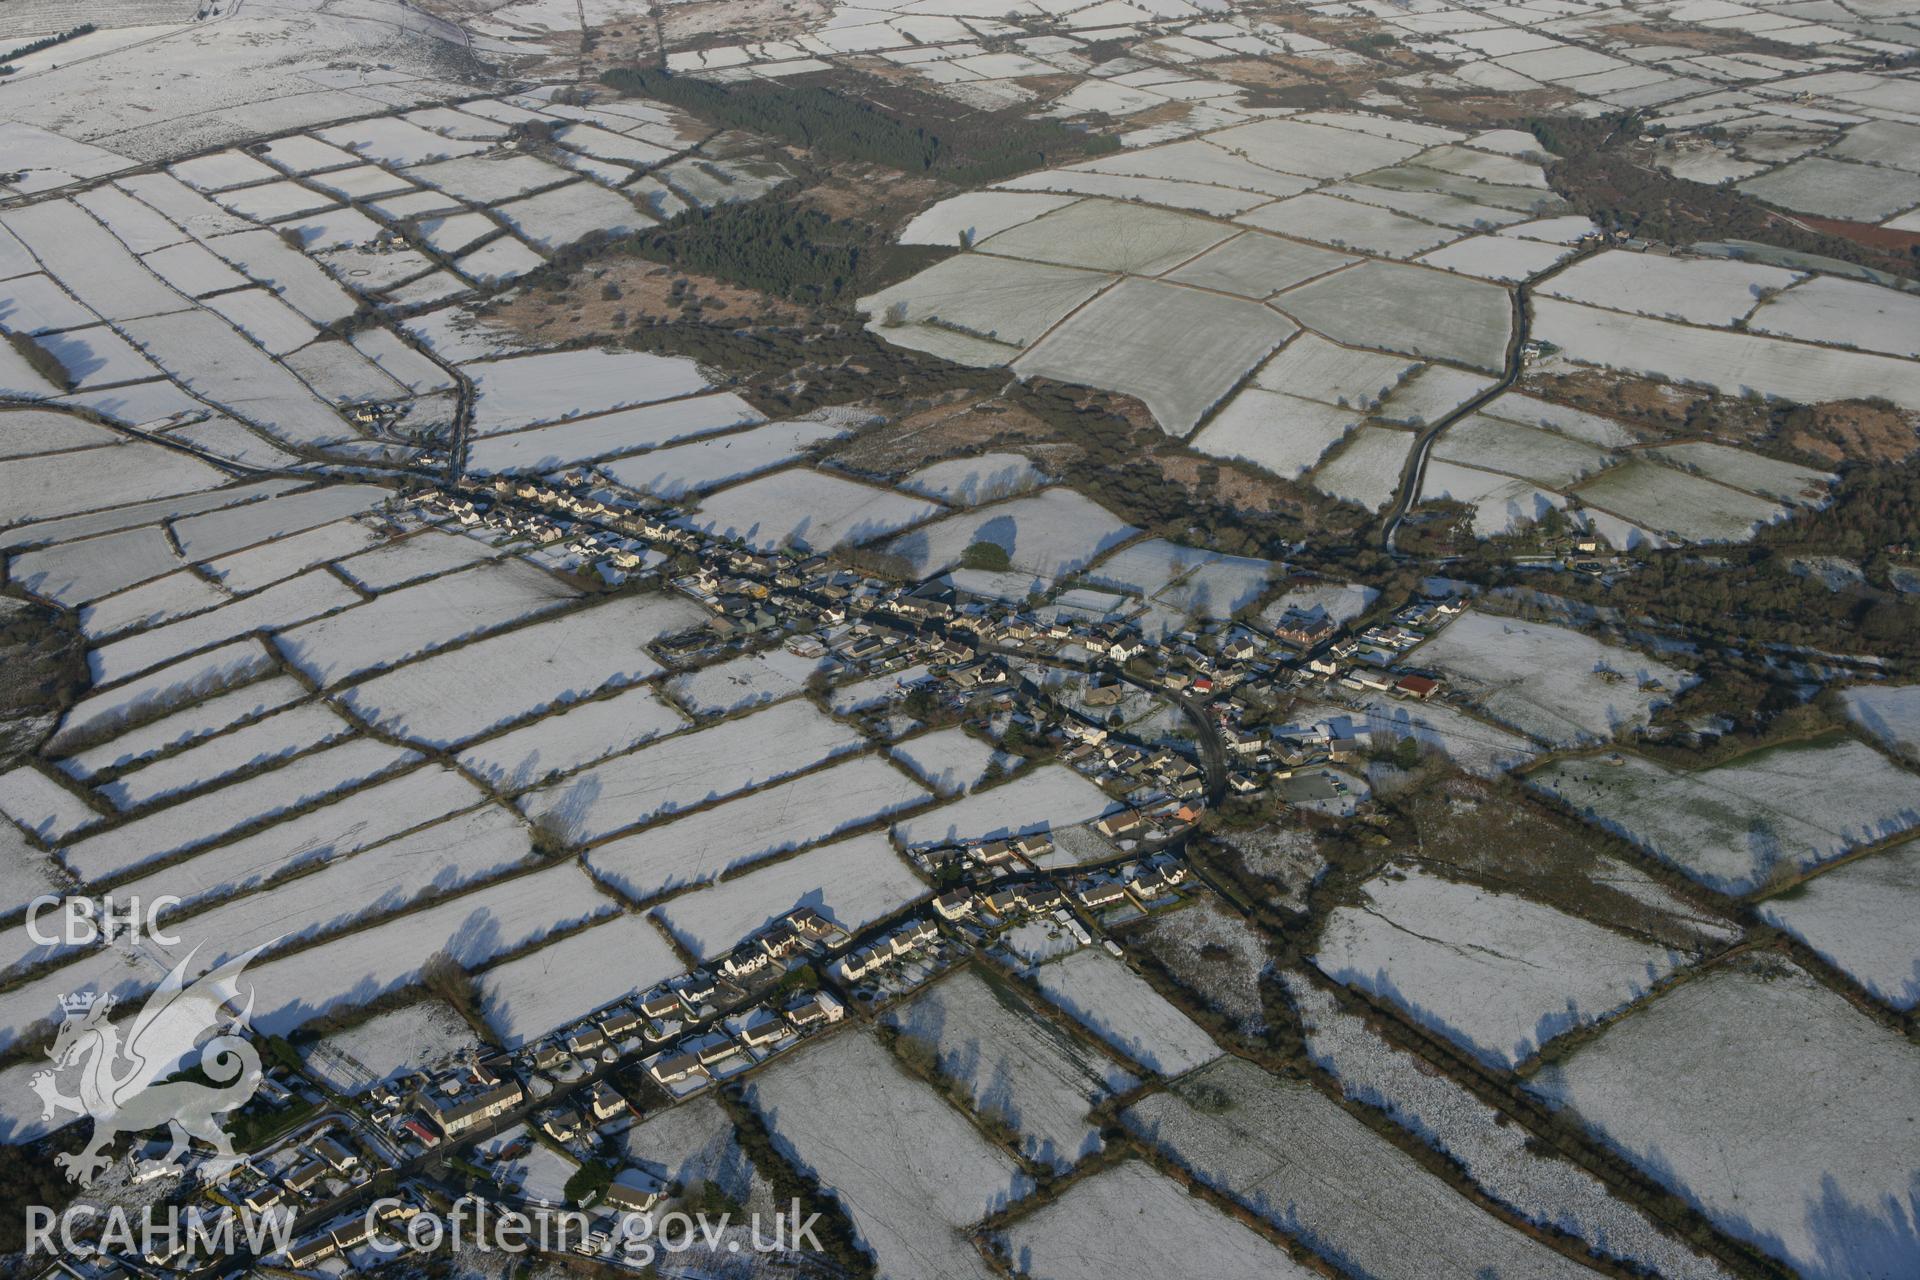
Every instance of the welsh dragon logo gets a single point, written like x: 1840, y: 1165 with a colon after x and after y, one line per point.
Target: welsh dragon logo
x: 121, y: 1069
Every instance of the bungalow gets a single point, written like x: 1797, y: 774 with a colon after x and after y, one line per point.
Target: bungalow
x: 1031, y: 847
x: 994, y: 853
x: 587, y: 1041
x: 717, y: 1051
x: 562, y: 1124
x: 1097, y: 896
x: 1040, y: 897
x: 1002, y: 902
x: 352, y: 1233
x: 762, y: 1029
x: 1125, y: 823
x: 665, y: 1005
x: 676, y: 1067
x: 1421, y: 687
x: 263, y: 1197
x: 336, y: 1156
x: 631, y: 1199
x: 621, y: 1023
x: 311, y: 1252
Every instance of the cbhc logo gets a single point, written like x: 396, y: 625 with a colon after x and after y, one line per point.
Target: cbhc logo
x: 84, y: 921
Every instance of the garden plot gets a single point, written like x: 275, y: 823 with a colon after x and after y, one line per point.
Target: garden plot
x: 1313, y: 368
x: 1408, y: 309
x: 172, y: 595
x: 687, y: 469
x: 1049, y: 534
x: 1670, y: 501
x: 1734, y: 363
x: 1849, y: 313
x: 730, y: 757
x: 531, y: 995
x: 1367, y: 469
x: 41, y: 806
x: 554, y: 219
x: 1553, y: 684
x: 416, y: 620
x: 209, y: 716
x: 208, y: 817
x: 1501, y: 504
x: 549, y: 448
x: 265, y: 742
x: 1837, y: 189
x: 470, y: 929
x: 454, y: 697
x: 1109, y: 236
x: 384, y: 879
x: 1769, y: 1103
x: 1118, y: 1006
x: 852, y: 882
x: 1495, y: 444
x: 60, y: 484
x: 1890, y: 713
x: 425, y: 1036
x: 1495, y: 1153
x: 1347, y: 224
x: 910, y: 1171
x: 973, y: 481
x: 1498, y: 974
x: 293, y: 601
x: 1737, y: 468
x: 971, y: 217
x: 953, y: 761
x: 1035, y: 802
x: 522, y: 391
x: 333, y: 829
x: 577, y: 736
x: 147, y: 697
x: 751, y: 680
x: 789, y: 815
x: 1085, y: 1235
x: 426, y: 554
x: 1177, y: 349
x: 1861, y: 918
x: 807, y: 508
x: 1736, y: 825
x: 982, y: 297
x: 1014, y: 1064
x: 1291, y: 1155
x: 1716, y: 291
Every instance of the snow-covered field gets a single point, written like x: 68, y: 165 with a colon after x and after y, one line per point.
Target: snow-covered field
x: 606, y: 435
x: 722, y: 760
x: 262, y: 742
x: 1046, y: 797
x: 455, y: 696
x: 1496, y: 1154
x: 1497, y: 973
x: 1291, y: 1155
x: 1890, y: 713
x: 1732, y: 826
x: 809, y: 508
x: 1771, y: 1104
x: 1366, y: 470
x: 1864, y: 918
x: 414, y: 1037
x: 952, y: 761
x: 705, y: 845
x: 572, y: 738
x: 687, y: 469
x: 1117, y: 1005
x: 1668, y: 500
x: 43, y: 807
x: 852, y: 882
x: 1213, y: 952
x: 420, y: 619
x: 1083, y: 1235
x: 1050, y: 534
x: 750, y: 680
x: 1715, y: 291
x: 1554, y: 684
x: 533, y: 994
x: 424, y: 555
x: 1471, y: 744
x: 968, y: 482
x: 523, y: 391
x: 292, y: 601
x: 910, y: 1171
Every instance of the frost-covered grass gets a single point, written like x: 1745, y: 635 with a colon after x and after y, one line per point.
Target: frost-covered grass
x: 207, y: 817
x: 705, y: 464
x: 605, y: 435
x: 1014, y: 1063
x: 262, y: 742
x: 1890, y: 713
x: 1495, y: 1153
x: 952, y: 760
x: 808, y: 508
x: 1674, y: 502
x: 143, y: 698
x: 1473, y: 745
x: 706, y: 845
x: 1292, y: 1156
x: 977, y: 215
x: 42, y: 806
x: 968, y: 482
x: 522, y: 391
x: 1741, y: 469
x: 419, y: 619
x: 1107, y: 235
x: 1080, y: 1236
x: 750, y: 680
x: 1367, y: 469
x: 852, y: 882
x: 1716, y: 291
x: 910, y: 1171
x: 1733, y: 826
x: 293, y: 601
x: 722, y: 760
x: 1850, y: 313
x: 414, y: 1037
x: 1049, y: 534
x: 533, y: 994
x: 992, y: 301
x: 426, y: 554
x: 1554, y: 684
x: 1501, y: 504
x: 213, y: 534
x: 1118, y: 1006
x: 1769, y: 1103
x: 1411, y: 310
x: 1497, y: 973
x: 1280, y: 433
x: 59, y: 484
x: 1037, y: 801
x: 1215, y: 954
x: 453, y: 697
x: 1496, y: 444
x: 570, y: 738
x: 1864, y: 918
x: 268, y: 563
